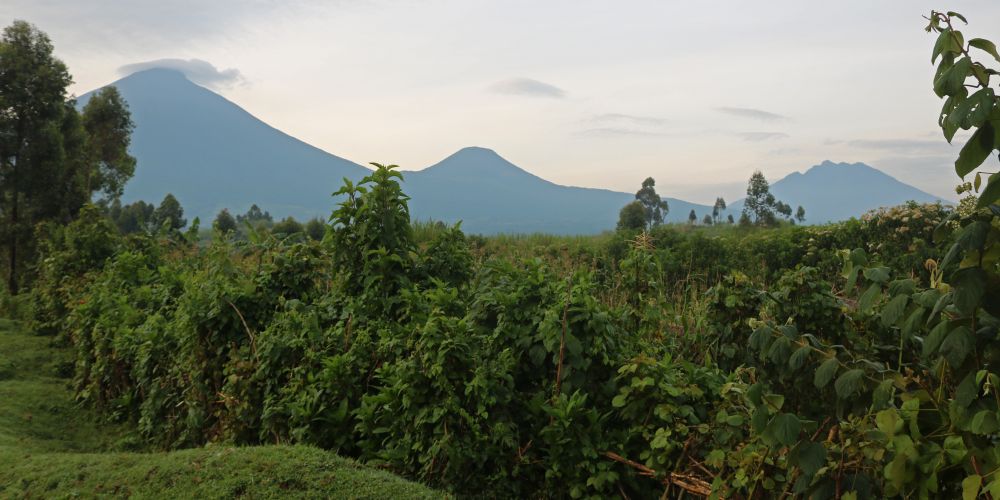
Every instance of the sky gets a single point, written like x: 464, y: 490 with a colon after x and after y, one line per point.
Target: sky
x: 580, y: 92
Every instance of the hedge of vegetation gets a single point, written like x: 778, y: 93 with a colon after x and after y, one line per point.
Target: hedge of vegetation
x: 847, y: 361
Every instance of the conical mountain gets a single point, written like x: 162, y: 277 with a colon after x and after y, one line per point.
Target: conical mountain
x: 838, y: 191
x: 212, y: 154
x: 492, y: 195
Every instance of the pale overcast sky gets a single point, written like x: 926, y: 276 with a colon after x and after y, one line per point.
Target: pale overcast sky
x: 581, y: 92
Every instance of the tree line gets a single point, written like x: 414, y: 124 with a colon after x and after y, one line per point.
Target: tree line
x: 760, y: 208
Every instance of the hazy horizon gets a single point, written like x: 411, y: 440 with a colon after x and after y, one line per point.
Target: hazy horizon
x: 588, y: 94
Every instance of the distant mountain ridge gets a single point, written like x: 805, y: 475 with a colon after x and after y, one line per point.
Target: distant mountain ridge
x: 211, y: 154
x: 476, y: 184
x: 832, y: 192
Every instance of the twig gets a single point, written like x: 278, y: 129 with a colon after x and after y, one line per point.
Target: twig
x: 253, y: 340
x: 562, y: 341
x: 686, y: 482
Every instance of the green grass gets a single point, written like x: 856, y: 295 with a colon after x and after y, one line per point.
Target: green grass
x: 52, y: 448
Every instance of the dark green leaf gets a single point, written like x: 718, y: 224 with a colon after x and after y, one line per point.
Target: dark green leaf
x: 991, y: 193
x: 799, y: 357
x: 986, y: 46
x: 967, y: 391
x: 810, y: 457
x: 969, y: 285
x: 893, y: 311
x: 826, y: 372
x: 975, y: 152
x: 952, y: 13
x: 957, y: 345
x: 870, y: 297
x: 878, y: 274
x: 985, y: 423
x: 849, y: 382
x: 933, y: 340
x: 785, y: 428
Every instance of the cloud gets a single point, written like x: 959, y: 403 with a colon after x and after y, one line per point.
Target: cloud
x: 762, y: 136
x: 528, y: 87
x: 620, y: 132
x: 197, y: 70
x: 638, y: 120
x: 753, y: 114
x: 901, y: 146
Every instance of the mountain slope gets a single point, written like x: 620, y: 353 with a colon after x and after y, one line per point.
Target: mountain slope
x: 211, y: 154
x: 838, y: 191
x: 490, y: 195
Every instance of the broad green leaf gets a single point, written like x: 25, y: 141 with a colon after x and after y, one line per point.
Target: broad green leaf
x: 933, y: 340
x: 975, y: 152
x: 799, y: 357
x: 991, y: 193
x: 893, y: 311
x: 953, y: 80
x: 954, y: 448
x: 973, y: 236
x: 957, y: 345
x: 970, y: 487
x: 810, y: 457
x: 986, y: 46
x: 759, y: 419
x: 870, y: 297
x: 785, y: 428
x: 969, y: 285
x: 967, y: 391
x: 826, y: 372
x: 887, y: 421
x: 849, y: 382
x: 774, y: 402
x: 985, y: 423
x: 754, y: 393
x: 974, y: 110
x: 994, y: 488
x: 878, y: 274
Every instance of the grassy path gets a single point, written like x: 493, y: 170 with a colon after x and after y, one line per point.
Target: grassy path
x: 51, y: 448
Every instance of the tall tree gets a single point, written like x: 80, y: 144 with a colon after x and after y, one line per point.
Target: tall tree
x: 316, y: 229
x: 632, y: 216
x: 760, y: 206
x: 224, y: 222
x: 800, y: 214
x: 108, y: 124
x: 169, y: 214
x: 718, y: 208
x: 656, y: 207
x: 254, y: 216
x: 692, y: 217
x: 32, y: 114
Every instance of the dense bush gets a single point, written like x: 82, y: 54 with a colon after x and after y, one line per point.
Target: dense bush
x: 851, y: 360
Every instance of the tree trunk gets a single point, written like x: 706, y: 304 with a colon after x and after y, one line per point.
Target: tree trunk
x: 12, y: 254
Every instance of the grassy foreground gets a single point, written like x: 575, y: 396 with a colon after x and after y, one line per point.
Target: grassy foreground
x: 50, y: 448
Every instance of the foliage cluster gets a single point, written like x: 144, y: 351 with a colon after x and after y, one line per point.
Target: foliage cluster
x: 820, y: 362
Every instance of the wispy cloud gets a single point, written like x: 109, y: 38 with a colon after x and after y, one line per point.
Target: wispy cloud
x: 761, y: 136
x: 620, y: 132
x: 197, y: 70
x: 528, y: 87
x: 753, y: 114
x: 635, y: 119
x: 903, y: 146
